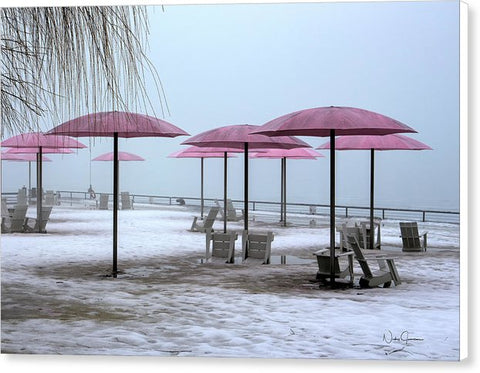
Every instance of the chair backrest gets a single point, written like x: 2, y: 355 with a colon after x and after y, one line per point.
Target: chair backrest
x: 126, y: 202
x: 257, y: 245
x: 46, y: 210
x: 103, y: 201
x: 220, y: 208
x: 210, y: 219
x: 17, y: 219
x: 49, y: 198
x: 352, y: 235
x: 5, y: 213
x: 22, y: 196
x: 222, y: 245
x: 409, y: 232
x: 231, y: 211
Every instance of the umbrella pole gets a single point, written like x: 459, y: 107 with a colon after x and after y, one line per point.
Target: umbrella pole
x: 245, y: 187
x: 225, y: 192
x: 372, y: 179
x: 39, y: 189
x: 201, y: 188
x: 29, y: 182
x: 281, y: 190
x: 284, y: 191
x: 332, y: 207
x: 115, y: 202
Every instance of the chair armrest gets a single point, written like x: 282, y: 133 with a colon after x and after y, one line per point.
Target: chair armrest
x: 321, y: 251
x: 346, y: 253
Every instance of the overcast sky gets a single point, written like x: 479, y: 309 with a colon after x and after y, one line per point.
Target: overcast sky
x: 247, y: 64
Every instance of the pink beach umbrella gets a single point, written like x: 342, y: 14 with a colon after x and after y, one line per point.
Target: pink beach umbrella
x: 44, y: 151
x: 332, y: 121
x: 241, y: 137
x: 38, y: 141
x: 202, y: 153
x: 117, y: 124
x: 122, y: 156
x: 7, y: 156
x: 372, y: 143
x: 283, y: 155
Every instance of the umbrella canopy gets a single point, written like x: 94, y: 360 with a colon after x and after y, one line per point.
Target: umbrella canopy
x: 117, y: 124
x: 240, y: 136
x: 41, y: 140
x: 298, y: 153
x: 372, y: 143
x: 124, y: 124
x: 44, y: 150
x: 332, y: 121
x: 387, y: 142
x: 37, y: 141
x: 236, y: 136
x: 319, y: 122
x: 283, y: 155
x: 8, y: 156
x: 122, y: 156
x: 202, y: 153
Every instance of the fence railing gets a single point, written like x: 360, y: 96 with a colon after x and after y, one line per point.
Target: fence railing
x: 75, y: 197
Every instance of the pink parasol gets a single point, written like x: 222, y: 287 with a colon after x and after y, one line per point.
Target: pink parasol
x: 37, y: 141
x: 41, y: 140
x: 122, y: 156
x: 240, y: 136
x: 8, y: 156
x: 44, y: 150
x: 332, y: 121
x: 298, y: 153
x: 283, y: 155
x: 372, y: 143
x: 117, y: 124
x: 202, y: 153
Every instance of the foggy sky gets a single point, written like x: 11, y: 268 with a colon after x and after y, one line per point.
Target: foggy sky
x: 247, y: 64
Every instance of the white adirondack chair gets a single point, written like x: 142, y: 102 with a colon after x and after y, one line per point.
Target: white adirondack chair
x: 257, y: 246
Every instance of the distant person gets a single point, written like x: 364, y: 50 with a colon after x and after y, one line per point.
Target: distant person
x: 92, y: 192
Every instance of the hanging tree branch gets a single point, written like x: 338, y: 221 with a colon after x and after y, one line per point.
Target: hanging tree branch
x: 65, y: 61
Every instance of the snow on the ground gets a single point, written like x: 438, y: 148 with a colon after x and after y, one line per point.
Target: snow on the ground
x: 57, y: 297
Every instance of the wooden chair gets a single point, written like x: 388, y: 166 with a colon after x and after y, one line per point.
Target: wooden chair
x: 387, y: 269
x: 231, y: 211
x: 33, y: 225
x: 5, y: 212
x: 411, y: 240
x: 220, y: 245
x: 207, y: 224
x: 103, y: 201
x: 365, y: 234
x: 22, y: 196
x: 126, y: 201
x: 50, y: 199
x: 15, y: 222
x: 343, y: 264
x: 257, y: 246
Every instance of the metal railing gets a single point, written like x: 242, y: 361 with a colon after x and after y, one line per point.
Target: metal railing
x: 75, y: 197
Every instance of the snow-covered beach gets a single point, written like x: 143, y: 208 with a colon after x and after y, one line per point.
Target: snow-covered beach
x: 58, y: 299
